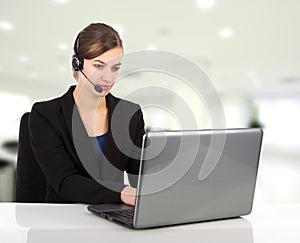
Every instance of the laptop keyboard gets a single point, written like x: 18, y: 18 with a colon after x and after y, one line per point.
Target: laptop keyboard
x: 128, y: 213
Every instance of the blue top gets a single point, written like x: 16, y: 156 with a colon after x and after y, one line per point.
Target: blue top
x: 102, y: 141
x: 100, y: 144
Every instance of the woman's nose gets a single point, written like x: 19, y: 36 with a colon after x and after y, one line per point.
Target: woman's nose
x: 107, y: 75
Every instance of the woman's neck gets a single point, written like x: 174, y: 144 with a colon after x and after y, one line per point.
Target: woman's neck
x: 92, y: 110
x: 86, y: 102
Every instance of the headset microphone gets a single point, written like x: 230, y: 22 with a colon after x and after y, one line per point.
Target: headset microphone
x: 96, y: 86
x: 77, y: 64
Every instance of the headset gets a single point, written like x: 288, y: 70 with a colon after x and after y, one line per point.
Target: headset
x: 77, y: 61
x: 77, y: 64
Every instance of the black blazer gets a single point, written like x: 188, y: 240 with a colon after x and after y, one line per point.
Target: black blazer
x: 74, y: 172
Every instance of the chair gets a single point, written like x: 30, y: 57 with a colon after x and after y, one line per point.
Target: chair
x: 30, y: 180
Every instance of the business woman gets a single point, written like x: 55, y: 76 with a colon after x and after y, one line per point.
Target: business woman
x: 64, y: 130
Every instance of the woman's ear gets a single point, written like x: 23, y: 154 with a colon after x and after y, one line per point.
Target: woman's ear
x: 75, y: 74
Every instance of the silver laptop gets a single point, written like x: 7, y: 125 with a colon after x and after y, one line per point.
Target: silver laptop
x: 191, y: 176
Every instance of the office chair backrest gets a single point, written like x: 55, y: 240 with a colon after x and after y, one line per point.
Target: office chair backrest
x: 30, y: 180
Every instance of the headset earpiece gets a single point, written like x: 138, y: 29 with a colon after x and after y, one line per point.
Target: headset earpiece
x: 77, y: 61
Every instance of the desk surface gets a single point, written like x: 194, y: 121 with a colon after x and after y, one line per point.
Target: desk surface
x: 73, y: 223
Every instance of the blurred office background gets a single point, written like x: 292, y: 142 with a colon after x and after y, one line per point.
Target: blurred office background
x: 249, y: 50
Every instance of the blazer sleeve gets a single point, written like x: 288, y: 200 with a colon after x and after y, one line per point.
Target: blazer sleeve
x: 137, y: 126
x: 59, y: 167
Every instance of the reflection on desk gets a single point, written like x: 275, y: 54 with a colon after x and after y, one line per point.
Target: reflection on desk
x: 73, y: 223
x: 32, y: 223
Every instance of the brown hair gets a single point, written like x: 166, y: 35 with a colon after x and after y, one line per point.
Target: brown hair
x: 96, y: 39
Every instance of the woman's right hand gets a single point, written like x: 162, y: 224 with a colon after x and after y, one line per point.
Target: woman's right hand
x: 128, y: 195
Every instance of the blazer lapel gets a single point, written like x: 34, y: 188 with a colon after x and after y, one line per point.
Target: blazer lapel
x: 95, y: 165
x: 67, y: 106
x: 112, y: 152
x: 81, y: 142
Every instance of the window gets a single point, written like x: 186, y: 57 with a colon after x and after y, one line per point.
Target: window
x: 12, y: 107
x: 280, y: 118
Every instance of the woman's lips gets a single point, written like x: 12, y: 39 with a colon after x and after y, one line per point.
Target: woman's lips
x: 105, y: 87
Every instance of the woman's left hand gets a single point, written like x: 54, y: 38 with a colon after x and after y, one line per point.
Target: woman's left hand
x: 128, y: 195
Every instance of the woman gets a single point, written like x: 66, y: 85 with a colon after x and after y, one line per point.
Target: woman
x: 64, y: 131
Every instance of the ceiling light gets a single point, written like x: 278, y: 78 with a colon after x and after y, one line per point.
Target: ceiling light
x: 62, y: 46
x: 24, y: 59
x: 251, y: 73
x: 226, y: 33
x: 151, y: 48
x: 62, y: 69
x: 61, y: 1
x: 7, y: 26
x: 205, y: 4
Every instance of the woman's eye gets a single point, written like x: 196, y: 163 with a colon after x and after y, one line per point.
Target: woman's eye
x: 98, y: 66
x: 115, y: 69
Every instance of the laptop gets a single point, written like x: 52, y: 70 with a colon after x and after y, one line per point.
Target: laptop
x: 191, y: 176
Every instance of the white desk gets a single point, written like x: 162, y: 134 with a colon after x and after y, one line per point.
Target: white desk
x: 35, y: 223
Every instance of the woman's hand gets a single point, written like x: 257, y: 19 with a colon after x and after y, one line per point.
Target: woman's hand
x: 128, y: 195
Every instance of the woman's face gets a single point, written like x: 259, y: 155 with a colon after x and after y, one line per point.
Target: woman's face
x: 103, y: 70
